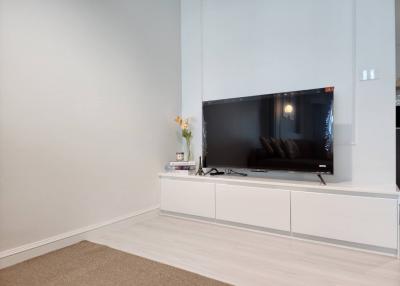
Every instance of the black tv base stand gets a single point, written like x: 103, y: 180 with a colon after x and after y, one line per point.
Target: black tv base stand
x: 321, y: 179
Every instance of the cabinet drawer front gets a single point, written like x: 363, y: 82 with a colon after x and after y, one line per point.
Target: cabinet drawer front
x: 193, y: 198
x: 371, y: 221
x: 263, y: 207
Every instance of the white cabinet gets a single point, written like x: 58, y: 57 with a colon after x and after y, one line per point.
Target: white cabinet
x: 188, y: 197
x: 342, y: 216
x: 365, y: 220
x: 263, y: 207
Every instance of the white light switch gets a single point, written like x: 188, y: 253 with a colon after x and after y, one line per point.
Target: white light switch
x: 372, y: 74
x: 364, y: 75
x: 369, y: 74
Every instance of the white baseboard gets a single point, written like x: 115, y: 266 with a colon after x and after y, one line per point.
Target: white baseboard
x: 15, y: 255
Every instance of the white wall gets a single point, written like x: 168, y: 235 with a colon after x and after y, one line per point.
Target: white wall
x: 233, y: 48
x: 88, y: 92
x: 192, y: 65
x: 374, y: 155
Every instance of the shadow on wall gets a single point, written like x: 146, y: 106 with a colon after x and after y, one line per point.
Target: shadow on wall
x: 343, y: 150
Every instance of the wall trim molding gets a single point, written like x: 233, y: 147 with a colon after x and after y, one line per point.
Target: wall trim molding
x: 30, y: 250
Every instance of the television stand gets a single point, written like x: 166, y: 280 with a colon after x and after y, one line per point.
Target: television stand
x: 232, y: 172
x: 301, y: 209
x: 321, y: 179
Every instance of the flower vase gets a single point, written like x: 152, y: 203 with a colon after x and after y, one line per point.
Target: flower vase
x: 189, y: 156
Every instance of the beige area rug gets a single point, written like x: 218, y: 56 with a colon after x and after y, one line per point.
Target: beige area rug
x: 88, y: 264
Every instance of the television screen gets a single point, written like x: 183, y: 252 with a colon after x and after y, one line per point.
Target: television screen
x: 284, y: 131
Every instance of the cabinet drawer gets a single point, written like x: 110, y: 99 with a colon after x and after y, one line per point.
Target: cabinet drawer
x: 371, y: 221
x: 263, y: 207
x: 193, y: 198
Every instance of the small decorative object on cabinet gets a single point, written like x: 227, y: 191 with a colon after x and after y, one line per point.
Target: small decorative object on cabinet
x: 186, y: 134
x: 182, y: 167
x: 200, y: 171
x: 180, y: 156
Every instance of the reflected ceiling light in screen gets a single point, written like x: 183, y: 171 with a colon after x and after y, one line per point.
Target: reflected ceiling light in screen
x: 288, y: 108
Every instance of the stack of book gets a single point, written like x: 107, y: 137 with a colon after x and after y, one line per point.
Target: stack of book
x: 182, y: 167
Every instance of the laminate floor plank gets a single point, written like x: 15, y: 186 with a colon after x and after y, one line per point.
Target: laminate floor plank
x: 244, y: 257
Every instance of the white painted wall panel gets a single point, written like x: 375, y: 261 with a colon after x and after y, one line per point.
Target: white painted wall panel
x: 88, y: 93
x: 234, y: 48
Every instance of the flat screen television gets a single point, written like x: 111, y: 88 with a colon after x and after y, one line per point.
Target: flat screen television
x: 291, y: 131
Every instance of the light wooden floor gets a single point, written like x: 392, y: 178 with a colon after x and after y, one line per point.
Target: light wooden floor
x: 247, y: 258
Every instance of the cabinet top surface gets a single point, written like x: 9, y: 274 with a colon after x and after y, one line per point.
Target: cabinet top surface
x: 342, y: 187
